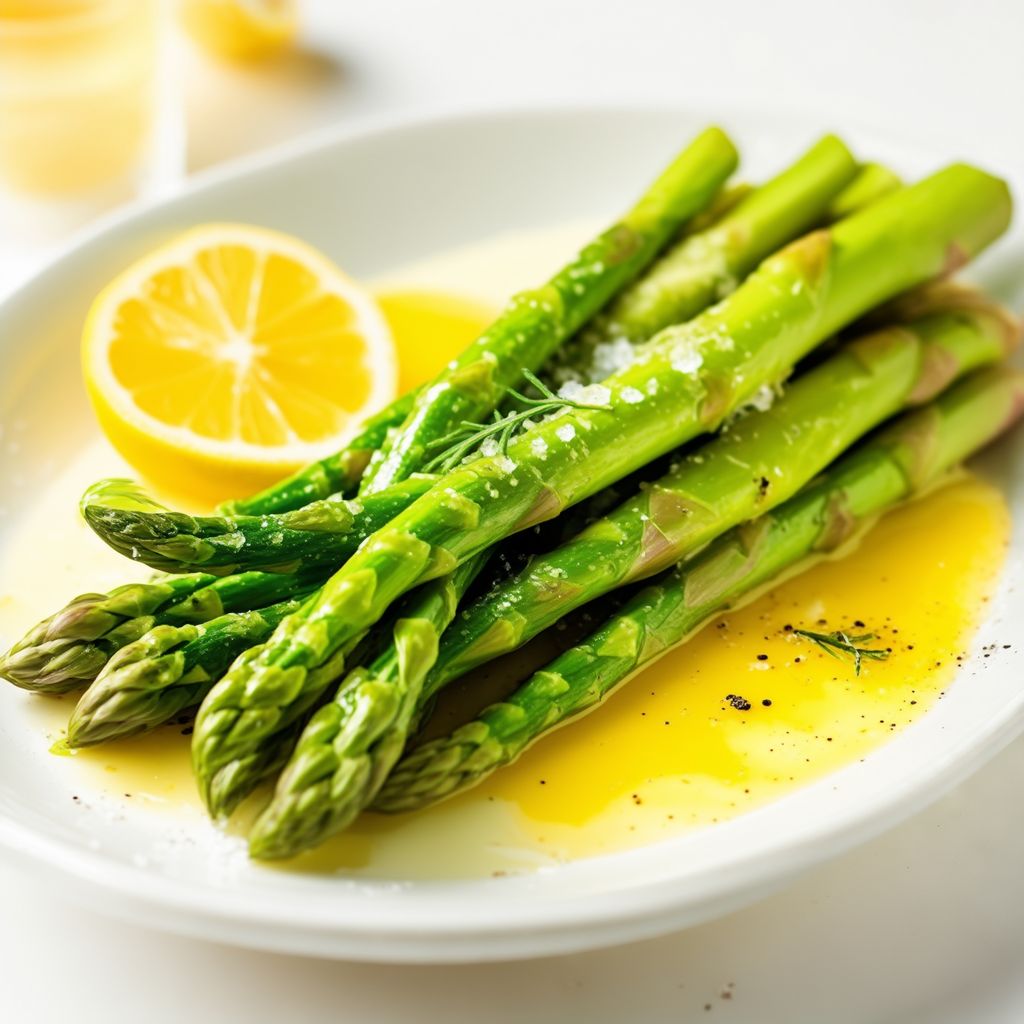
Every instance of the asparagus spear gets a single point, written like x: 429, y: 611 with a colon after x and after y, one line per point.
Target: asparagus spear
x: 68, y: 649
x: 339, y: 473
x: 759, y: 462
x: 535, y: 323
x: 321, y: 534
x: 873, y: 181
x: 708, y: 265
x: 350, y: 744
x: 888, y: 468
x: 687, y: 380
x: 166, y: 671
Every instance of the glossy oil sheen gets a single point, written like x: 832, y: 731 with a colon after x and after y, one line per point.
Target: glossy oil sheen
x: 677, y: 748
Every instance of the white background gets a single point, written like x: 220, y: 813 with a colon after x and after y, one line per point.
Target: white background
x: 925, y: 924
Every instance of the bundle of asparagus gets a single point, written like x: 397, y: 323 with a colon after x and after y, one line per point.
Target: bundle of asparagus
x: 312, y: 624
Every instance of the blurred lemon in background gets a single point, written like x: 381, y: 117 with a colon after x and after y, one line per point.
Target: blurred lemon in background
x: 240, y: 29
x: 231, y: 356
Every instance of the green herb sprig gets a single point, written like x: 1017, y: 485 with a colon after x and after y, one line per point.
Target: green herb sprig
x: 469, y: 436
x: 845, y: 645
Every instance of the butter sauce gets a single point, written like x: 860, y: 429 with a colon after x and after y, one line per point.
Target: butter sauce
x: 742, y: 714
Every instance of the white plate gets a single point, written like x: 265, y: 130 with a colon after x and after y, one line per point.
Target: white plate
x: 374, y: 199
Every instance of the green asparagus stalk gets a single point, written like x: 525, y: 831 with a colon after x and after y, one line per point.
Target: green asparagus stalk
x: 166, y: 671
x: 67, y: 650
x: 339, y: 473
x: 350, y: 744
x: 686, y: 381
x: 321, y: 534
x: 903, y: 459
x: 873, y: 181
x: 708, y: 265
x: 759, y: 462
x: 535, y: 323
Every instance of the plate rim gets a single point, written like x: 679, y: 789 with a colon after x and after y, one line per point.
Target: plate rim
x: 655, y: 906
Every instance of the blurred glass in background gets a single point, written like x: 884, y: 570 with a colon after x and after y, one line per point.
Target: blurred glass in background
x: 92, y: 104
x: 88, y: 115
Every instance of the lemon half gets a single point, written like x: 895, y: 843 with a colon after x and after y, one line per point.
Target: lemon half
x: 232, y: 355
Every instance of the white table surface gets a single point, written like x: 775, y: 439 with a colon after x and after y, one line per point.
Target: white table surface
x: 925, y: 924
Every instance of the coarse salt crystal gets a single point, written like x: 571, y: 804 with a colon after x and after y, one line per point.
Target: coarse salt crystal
x: 763, y: 398
x: 590, y: 394
x: 609, y: 357
x: 686, y: 359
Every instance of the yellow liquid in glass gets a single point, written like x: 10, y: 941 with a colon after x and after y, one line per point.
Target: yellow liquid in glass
x: 77, y: 93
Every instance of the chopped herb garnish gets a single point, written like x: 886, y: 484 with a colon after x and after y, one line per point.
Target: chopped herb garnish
x: 845, y: 645
x: 468, y: 436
